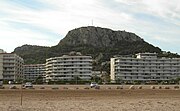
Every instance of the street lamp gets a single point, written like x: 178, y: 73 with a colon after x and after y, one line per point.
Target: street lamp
x: 22, y: 90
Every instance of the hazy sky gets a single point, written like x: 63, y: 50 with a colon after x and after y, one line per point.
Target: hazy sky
x: 46, y: 22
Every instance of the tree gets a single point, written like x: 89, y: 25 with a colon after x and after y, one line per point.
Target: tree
x: 177, y: 80
x: 39, y: 80
x: 96, y: 79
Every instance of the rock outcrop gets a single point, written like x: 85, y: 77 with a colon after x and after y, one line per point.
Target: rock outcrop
x: 98, y: 37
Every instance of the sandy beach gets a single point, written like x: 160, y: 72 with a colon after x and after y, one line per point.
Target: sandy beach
x: 104, y: 99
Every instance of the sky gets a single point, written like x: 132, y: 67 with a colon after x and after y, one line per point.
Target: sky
x: 46, y: 22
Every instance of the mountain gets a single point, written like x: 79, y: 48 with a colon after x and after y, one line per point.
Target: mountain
x: 100, y: 43
x: 103, y: 43
x: 98, y: 37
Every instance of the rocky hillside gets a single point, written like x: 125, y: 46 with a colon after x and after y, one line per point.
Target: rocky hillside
x: 98, y: 37
x: 103, y: 43
x: 100, y: 43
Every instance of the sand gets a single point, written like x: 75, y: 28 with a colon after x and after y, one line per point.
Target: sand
x: 104, y: 99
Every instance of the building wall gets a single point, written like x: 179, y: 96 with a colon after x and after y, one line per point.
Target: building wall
x: 12, y: 66
x: 33, y: 71
x: 69, y: 68
x: 2, y: 51
x: 1, y: 66
x: 144, y: 68
x: 112, y: 68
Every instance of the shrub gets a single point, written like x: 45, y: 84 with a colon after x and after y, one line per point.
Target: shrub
x: 42, y: 87
x: 176, y: 87
x: 139, y: 87
x: 153, y: 87
x: 160, y: 87
x: 86, y: 88
x: 119, y: 87
x: 55, y: 88
x: 132, y: 87
x: 65, y: 88
x: 77, y: 88
x: 166, y: 87
x: 109, y: 88
x: 97, y: 87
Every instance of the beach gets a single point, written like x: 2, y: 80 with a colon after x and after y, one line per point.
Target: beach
x: 81, y: 98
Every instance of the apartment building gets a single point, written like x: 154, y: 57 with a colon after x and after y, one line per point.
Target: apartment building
x: 11, y: 66
x: 145, y: 67
x: 69, y: 67
x: 1, y: 67
x: 33, y: 71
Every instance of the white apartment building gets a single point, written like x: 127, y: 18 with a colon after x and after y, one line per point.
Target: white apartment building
x: 33, y: 71
x: 11, y: 66
x: 69, y: 67
x: 1, y: 67
x: 145, y: 67
x: 2, y: 51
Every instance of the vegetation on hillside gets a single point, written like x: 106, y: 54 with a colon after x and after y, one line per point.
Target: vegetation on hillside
x: 119, y: 43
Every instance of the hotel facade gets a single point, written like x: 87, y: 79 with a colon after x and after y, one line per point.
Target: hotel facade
x: 69, y: 67
x: 33, y: 71
x: 145, y: 67
x: 11, y: 66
